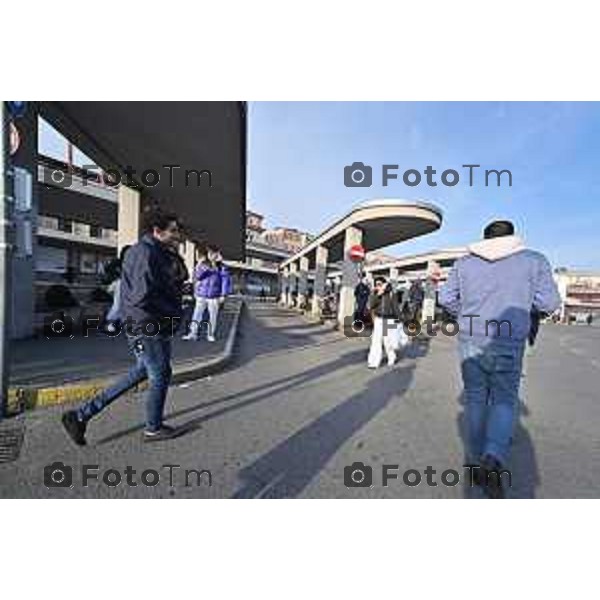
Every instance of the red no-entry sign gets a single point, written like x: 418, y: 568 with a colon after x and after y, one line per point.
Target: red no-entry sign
x: 356, y: 253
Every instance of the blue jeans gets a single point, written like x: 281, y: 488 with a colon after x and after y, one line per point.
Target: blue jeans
x: 153, y: 362
x: 491, y: 378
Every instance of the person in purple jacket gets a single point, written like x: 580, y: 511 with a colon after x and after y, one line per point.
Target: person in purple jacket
x: 212, y: 283
x: 492, y: 291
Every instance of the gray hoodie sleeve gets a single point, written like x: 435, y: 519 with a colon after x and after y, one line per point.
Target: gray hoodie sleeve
x: 546, y: 298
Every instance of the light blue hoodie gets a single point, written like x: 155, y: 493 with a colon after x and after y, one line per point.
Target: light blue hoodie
x: 500, y: 281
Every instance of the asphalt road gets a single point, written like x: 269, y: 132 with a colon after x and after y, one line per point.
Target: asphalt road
x: 299, y: 405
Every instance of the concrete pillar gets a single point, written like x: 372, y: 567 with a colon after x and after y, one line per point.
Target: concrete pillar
x: 320, y: 277
x: 129, y: 220
x: 23, y: 213
x: 293, y: 283
x: 562, y: 283
x: 284, y: 284
x: 350, y: 275
x: 302, y: 280
x: 189, y: 256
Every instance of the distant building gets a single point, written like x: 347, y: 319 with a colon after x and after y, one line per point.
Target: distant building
x: 292, y: 240
x: 378, y: 258
x: 254, y: 226
x: 579, y: 292
x: 72, y: 252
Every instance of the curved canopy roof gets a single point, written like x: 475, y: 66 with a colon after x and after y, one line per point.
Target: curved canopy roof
x: 383, y: 222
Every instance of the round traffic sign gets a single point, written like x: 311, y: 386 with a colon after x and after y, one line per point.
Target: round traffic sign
x: 356, y: 253
x: 14, y: 139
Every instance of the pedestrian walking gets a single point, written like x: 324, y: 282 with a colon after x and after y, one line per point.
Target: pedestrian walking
x: 492, y: 290
x: 416, y: 295
x: 362, y: 292
x: 385, y: 310
x: 112, y: 319
x: 151, y: 301
x: 212, y: 284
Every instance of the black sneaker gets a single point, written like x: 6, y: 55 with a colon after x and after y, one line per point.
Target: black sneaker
x: 492, y: 484
x: 164, y: 433
x: 74, y: 427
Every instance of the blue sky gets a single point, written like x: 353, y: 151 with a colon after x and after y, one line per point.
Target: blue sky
x: 53, y: 144
x: 297, y: 152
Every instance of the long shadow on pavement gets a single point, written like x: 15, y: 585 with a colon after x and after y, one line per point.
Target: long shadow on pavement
x: 523, y: 463
x: 258, y: 393
x: 289, y: 467
x: 254, y: 341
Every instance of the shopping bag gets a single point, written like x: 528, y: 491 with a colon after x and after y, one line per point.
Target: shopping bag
x: 401, y: 339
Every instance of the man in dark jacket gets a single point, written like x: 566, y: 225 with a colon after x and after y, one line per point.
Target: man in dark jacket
x: 361, y: 294
x: 151, y: 294
x: 386, y: 312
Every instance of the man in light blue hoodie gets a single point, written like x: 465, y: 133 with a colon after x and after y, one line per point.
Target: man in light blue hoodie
x: 492, y: 292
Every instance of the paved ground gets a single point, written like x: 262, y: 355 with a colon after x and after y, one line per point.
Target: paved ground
x: 42, y: 361
x: 298, y: 405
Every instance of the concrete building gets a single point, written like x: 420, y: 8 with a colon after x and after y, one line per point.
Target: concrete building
x: 580, y: 294
x: 292, y: 240
x: 74, y: 252
x: 71, y: 250
x: 266, y: 249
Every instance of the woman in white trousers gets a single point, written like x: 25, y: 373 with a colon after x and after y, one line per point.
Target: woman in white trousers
x: 386, y: 312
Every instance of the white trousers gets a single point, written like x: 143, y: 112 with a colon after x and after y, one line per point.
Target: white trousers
x: 381, y: 340
x: 213, y: 313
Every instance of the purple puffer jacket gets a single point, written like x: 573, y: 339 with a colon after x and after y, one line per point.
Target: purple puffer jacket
x: 212, y: 282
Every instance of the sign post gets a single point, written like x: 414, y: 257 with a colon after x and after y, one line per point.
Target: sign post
x: 6, y: 199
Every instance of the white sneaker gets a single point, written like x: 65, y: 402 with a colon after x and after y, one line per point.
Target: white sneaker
x: 211, y: 338
x: 392, y: 360
x: 190, y: 337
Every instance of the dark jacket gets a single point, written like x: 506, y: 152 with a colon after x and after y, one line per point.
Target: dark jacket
x: 386, y: 305
x: 362, y: 292
x: 151, y: 282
